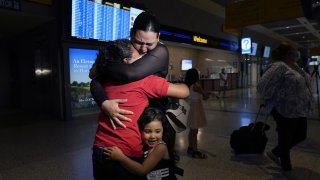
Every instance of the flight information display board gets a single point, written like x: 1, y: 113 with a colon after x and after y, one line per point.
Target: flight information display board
x: 101, y: 21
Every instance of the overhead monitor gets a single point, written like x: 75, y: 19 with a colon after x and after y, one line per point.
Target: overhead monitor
x: 253, y: 49
x: 101, y: 20
x: 186, y: 64
x: 266, y: 52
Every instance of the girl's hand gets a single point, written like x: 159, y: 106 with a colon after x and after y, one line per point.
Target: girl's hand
x: 116, y: 115
x: 113, y: 153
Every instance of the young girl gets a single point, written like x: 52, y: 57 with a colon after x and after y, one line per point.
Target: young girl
x: 197, y: 118
x: 157, y: 163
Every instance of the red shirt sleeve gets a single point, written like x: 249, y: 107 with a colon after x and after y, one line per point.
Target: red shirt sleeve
x: 155, y: 87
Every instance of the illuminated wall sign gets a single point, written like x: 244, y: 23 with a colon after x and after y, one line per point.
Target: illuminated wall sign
x: 80, y: 62
x: 175, y: 34
x: 182, y: 36
x: 10, y: 4
x: 199, y: 39
x: 246, y: 45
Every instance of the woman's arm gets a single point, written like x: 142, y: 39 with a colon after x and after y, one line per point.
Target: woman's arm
x: 97, y: 91
x: 155, y: 61
x: 159, y: 152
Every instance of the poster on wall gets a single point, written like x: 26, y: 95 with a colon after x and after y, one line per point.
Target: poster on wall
x: 80, y: 62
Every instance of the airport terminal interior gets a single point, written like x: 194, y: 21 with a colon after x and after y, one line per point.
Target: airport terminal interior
x: 37, y: 147
x: 48, y: 118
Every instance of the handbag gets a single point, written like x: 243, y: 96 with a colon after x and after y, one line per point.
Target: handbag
x: 178, y: 115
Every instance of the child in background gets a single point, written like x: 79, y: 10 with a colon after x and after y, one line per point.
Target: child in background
x: 196, y: 118
x: 156, y: 165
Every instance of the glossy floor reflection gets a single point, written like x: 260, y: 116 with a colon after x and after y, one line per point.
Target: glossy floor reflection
x: 35, y: 146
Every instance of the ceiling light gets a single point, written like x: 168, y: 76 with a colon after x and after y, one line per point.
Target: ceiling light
x: 208, y: 59
x: 288, y: 27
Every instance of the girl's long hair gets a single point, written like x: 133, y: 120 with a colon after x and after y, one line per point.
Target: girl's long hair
x: 151, y: 114
x: 192, y: 76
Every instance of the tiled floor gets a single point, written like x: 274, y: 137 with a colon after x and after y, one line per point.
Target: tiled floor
x: 37, y: 147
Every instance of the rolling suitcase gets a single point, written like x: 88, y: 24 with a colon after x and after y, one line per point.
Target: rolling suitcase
x: 250, y: 139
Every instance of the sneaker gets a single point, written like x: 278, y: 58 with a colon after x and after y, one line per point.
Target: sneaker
x: 274, y: 158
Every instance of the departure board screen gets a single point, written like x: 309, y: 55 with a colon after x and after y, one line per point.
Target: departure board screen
x: 102, y: 21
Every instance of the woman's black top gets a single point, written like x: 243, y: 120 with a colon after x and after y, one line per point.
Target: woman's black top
x: 154, y: 62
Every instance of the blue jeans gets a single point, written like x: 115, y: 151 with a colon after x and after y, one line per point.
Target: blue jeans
x: 104, y: 169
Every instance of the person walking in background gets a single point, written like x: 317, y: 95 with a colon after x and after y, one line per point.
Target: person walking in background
x: 196, y: 118
x: 286, y: 89
x: 156, y: 165
x: 223, y: 82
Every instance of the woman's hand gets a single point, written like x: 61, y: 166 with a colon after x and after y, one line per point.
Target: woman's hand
x: 113, y: 153
x: 116, y: 115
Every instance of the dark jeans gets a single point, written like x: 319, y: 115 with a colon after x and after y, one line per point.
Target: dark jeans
x: 104, y: 169
x: 291, y: 131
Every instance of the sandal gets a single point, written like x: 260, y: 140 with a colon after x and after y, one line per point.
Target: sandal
x: 199, y: 155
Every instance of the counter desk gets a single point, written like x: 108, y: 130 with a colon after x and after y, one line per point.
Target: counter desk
x: 213, y: 84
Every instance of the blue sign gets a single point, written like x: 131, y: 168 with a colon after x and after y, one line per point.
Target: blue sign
x: 246, y: 45
x: 183, y: 36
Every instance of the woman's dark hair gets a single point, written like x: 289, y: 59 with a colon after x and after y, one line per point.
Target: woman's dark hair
x: 281, y: 52
x: 146, y: 21
x: 192, y: 76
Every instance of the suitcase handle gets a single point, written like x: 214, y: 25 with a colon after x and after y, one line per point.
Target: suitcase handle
x: 265, y: 120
